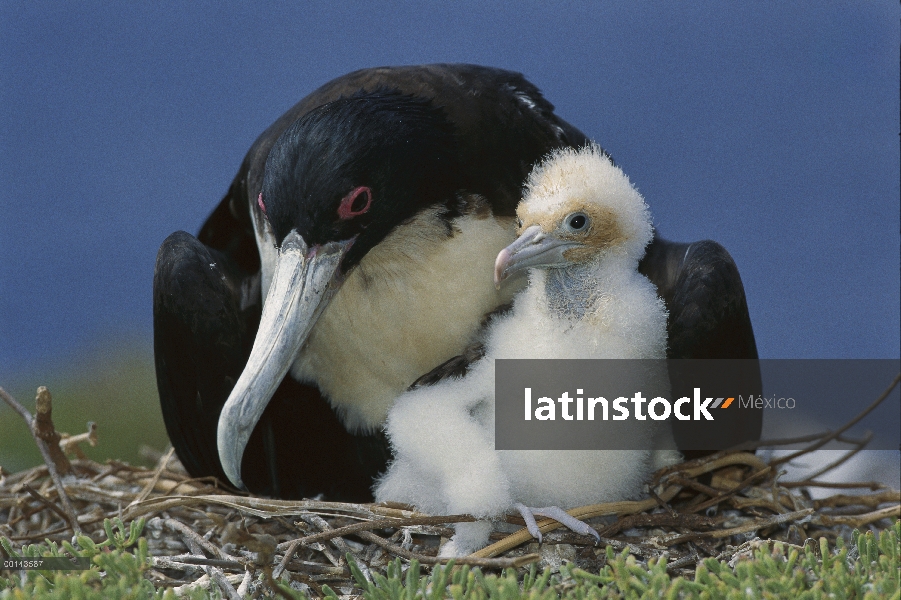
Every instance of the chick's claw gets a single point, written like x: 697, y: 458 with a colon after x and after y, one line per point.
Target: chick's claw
x: 558, y: 514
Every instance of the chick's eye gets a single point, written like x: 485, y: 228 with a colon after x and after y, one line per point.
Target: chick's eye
x: 577, y: 221
x: 355, y: 203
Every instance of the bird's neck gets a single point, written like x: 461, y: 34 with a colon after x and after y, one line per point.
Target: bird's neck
x: 574, y: 291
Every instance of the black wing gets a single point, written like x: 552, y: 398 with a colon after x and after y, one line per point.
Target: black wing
x: 206, y: 313
x: 708, y: 319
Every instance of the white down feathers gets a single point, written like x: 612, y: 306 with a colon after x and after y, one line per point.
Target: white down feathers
x: 443, y: 435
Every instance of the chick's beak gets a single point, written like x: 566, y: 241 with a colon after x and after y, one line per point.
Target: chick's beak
x: 534, y: 248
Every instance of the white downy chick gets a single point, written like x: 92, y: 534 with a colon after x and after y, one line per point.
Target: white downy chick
x: 582, y: 230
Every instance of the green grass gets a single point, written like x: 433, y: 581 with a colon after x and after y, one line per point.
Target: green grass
x: 115, y: 386
x: 867, y: 568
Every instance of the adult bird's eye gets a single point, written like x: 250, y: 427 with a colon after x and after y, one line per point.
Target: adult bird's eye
x: 355, y: 203
x: 577, y: 221
x: 260, y: 203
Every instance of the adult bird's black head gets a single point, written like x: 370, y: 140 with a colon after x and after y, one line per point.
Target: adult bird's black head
x: 351, y: 170
x: 337, y: 182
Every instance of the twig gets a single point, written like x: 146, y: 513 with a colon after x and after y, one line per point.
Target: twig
x: 734, y: 490
x: 153, y: 480
x: 660, y: 502
x: 71, y: 443
x: 179, y: 561
x: 203, y: 583
x: 46, y: 502
x: 859, y: 520
x: 844, y: 458
x: 48, y: 460
x: 191, y: 540
x: 245, y: 583
x: 656, y: 520
x: 811, y: 437
x: 39, y: 535
x: 258, y: 507
x: 43, y: 428
x: 681, y: 562
x: 673, y: 539
x: 376, y: 524
x: 869, y: 500
x: 691, y: 469
x: 699, y: 466
x: 320, y: 523
x: 291, y: 547
x: 871, y: 485
x: 842, y: 429
x: 696, y: 486
x: 184, y: 530
x: 582, y: 513
x: 492, y: 563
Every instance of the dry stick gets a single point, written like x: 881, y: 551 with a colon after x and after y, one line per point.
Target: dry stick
x: 871, y: 485
x: 71, y: 443
x: 672, y: 540
x: 661, y: 503
x: 860, y: 520
x: 187, y: 532
x: 376, y: 524
x: 743, y: 449
x: 841, y: 429
x: 215, y: 573
x: 177, y: 562
x: 870, y: 500
x: 187, y: 483
x: 39, y: 536
x: 258, y: 507
x: 698, y: 487
x: 737, y: 488
x: 491, y: 563
x: 111, y: 469
x: 657, y: 520
x: 48, y: 460
x: 627, y: 507
x: 843, y: 459
x: 46, y: 502
x: 291, y: 547
x: 699, y: 466
x: 156, y: 477
x: 317, y: 521
x: 681, y: 562
x: 43, y: 428
x: 755, y: 444
x: 341, y: 545
x: 584, y: 512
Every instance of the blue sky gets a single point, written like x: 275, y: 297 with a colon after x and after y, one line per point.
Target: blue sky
x: 771, y: 129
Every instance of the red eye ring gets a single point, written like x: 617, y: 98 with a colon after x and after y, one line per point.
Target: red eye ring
x: 260, y: 203
x: 346, y: 208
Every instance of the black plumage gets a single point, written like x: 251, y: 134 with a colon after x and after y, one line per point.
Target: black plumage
x: 356, y: 161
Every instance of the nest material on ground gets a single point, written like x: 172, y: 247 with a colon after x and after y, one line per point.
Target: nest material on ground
x: 200, y: 534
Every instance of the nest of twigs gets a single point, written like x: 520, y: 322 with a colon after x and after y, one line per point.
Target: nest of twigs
x: 722, y: 506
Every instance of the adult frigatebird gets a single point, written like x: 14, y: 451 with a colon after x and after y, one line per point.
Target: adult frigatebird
x: 354, y: 253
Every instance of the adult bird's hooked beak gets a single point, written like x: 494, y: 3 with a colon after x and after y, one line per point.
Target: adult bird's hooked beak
x: 304, y: 281
x: 531, y: 249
